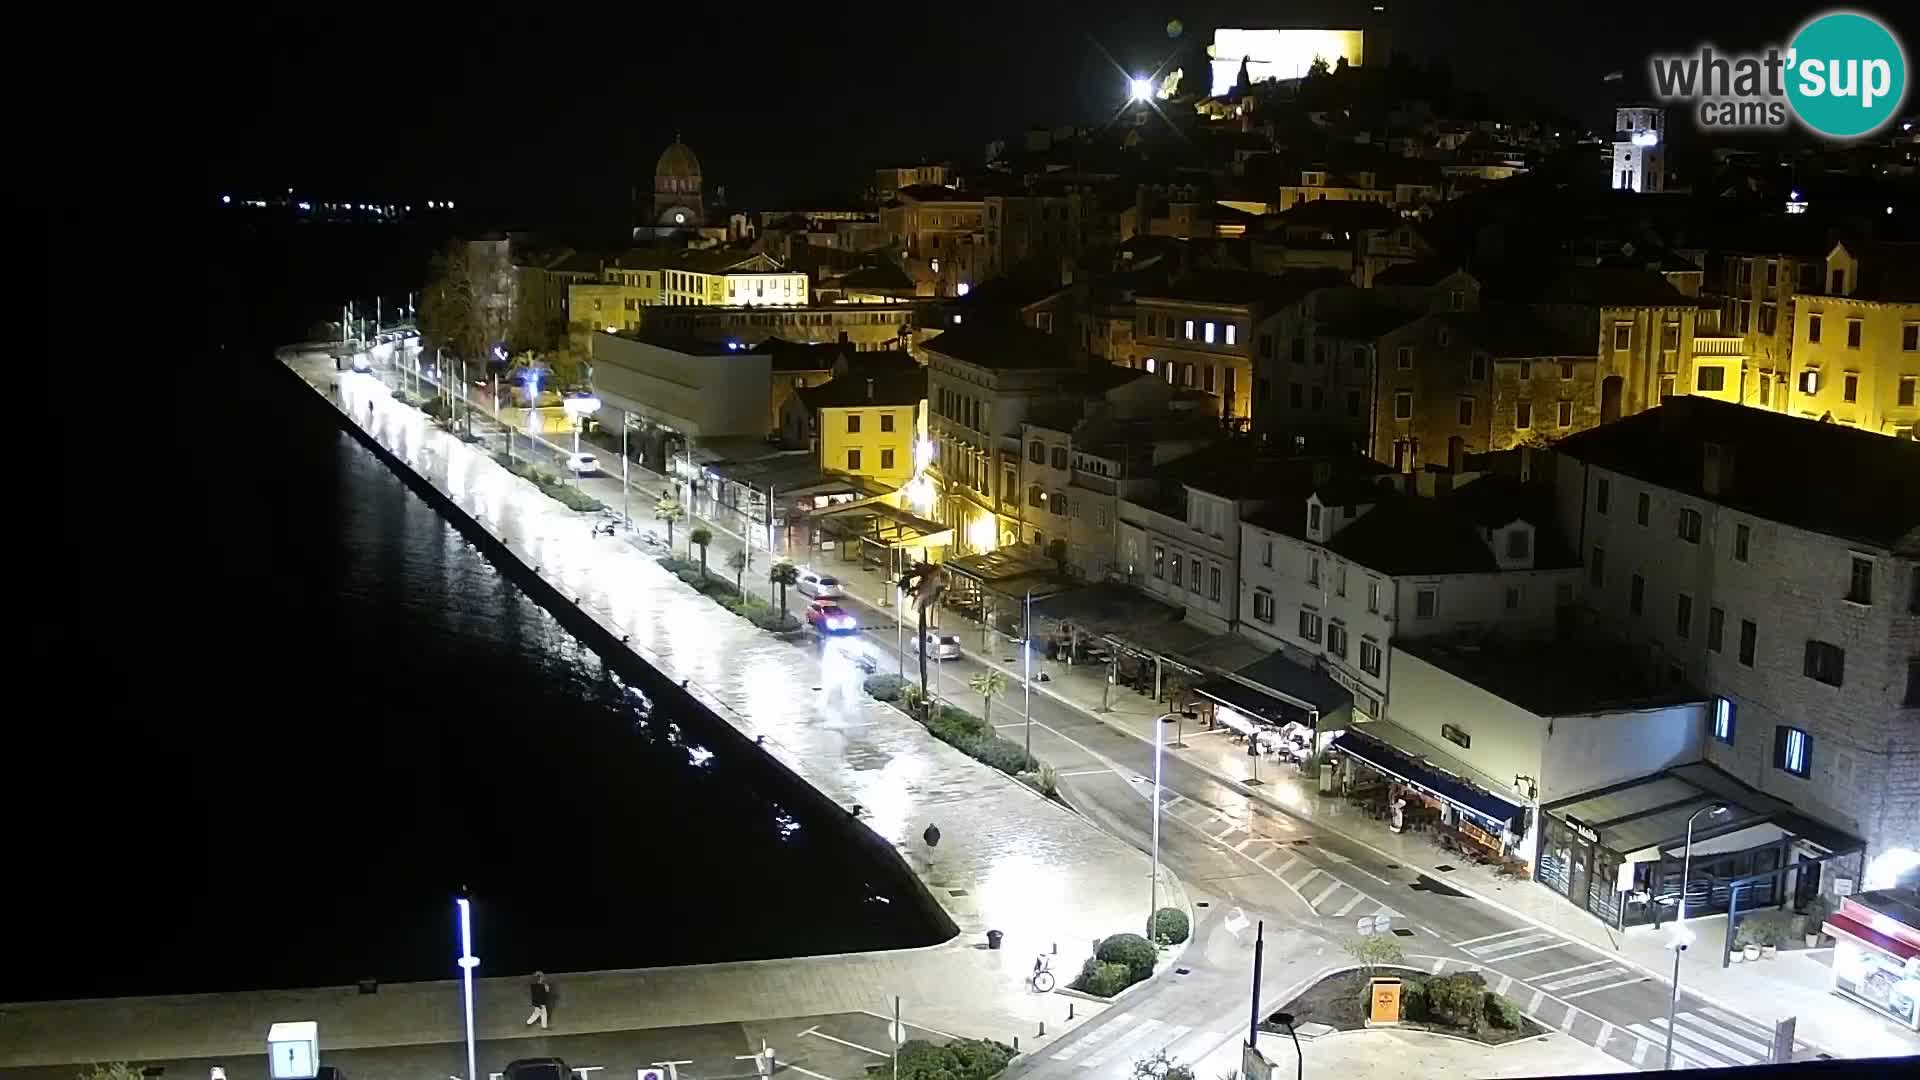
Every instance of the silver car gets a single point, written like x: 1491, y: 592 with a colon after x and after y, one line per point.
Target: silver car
x: 941, y: 646
x: 818, y: 586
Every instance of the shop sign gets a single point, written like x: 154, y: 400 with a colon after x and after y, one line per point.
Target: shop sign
x: 1364, y: 701
x: 1582, y: 830
x: 1456, y: 736
x: 1384, y: 1000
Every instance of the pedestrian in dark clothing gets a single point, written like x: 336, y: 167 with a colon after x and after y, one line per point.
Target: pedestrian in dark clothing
x: 540, y: 992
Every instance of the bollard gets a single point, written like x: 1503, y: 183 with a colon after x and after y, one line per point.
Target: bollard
x: 1043, y: 1030
x: 1016, y: 1044
x: 1069, y: 1010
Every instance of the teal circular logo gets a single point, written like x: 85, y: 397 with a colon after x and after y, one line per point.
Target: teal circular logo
x: 1848, y: 75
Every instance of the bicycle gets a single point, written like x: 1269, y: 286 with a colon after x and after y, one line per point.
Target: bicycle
x: 1042, y: 978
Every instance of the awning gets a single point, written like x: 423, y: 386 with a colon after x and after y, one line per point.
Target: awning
x: 1482, y: 804
x: 1838, y: 925
x: 1253, y: 703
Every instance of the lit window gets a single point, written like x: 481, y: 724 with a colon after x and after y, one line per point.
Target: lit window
x: 1723, y: 720
x: 1793, y: 751
x: 1189, y: 334
x: 1232, y: 333
x: 1207, y: 332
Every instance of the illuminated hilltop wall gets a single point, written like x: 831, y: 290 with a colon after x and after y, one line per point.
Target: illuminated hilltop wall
x: 1278, y: 54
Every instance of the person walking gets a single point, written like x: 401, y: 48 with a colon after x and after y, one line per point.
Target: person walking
x: 540, y: 992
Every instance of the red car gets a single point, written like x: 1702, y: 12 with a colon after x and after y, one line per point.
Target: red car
x: 828, y: 617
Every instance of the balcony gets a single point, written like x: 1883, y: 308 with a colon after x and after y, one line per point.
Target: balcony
x: 1719, y: 346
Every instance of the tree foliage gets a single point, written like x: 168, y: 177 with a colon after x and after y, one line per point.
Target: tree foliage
x: 111, y: 1070
x: 466, y: 305
x: 700, y: 537
x: 1373, y: 951
x: 1161, y: 1067
x: 988, y: 684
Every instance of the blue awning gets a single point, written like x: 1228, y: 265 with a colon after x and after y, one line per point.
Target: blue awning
x: 1485, y: 805
x: 1253, y: 704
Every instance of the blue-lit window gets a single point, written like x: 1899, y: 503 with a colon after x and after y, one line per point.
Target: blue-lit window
x: 1793, y: 751
x: 1723, y: 720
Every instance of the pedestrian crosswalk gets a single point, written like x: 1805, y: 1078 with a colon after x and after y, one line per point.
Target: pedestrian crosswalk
x: 1120, y: 1040
x: 1705, y: 1038
x: 1274, y: 845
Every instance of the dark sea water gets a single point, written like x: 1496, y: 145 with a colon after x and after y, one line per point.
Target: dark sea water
x: 322, y: 713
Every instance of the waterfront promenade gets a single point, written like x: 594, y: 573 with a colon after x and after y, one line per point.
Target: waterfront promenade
x: 1009, y: 859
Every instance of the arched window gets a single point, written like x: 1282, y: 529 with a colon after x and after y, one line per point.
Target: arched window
x: 1059, y: 457
x: 1037, y: 452
x: 1034, y: 498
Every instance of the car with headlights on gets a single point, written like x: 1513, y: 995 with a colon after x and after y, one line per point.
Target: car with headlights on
x: 828, y: 617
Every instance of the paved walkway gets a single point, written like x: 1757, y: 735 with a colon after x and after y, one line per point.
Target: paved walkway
x: 1009, y: 859
x: 1383, y: 1052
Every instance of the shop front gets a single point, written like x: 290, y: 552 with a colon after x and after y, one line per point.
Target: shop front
x: 1388, y: 772
x: 1876, y: 953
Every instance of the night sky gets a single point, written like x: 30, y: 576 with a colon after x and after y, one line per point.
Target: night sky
x: 558, y: 105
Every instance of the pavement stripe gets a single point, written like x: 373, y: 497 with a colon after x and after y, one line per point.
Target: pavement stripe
x: 1089, y: 1040
x: 1358, y: 899
x: 1490, y: 937
x: 1310, y: 875
x: 1761, y: 1050
x: 1683, y: 1053
x: 1570, y: 970
x: 1505, y: 981
x: 1281, y: 870
x: 1566, y: 1022
x: 1608, y: 986
x: 1174, y: 1035
x: 1503, y: 957
x: 1640, y: 1047
x: 1141, y: 1030
x: 836, y: 1039
x: 1329, y: 891
x: 1438, y: 964
x: 1242, y: 845
x: 1710, y: 1044
x: 1606, y: 1034
x: 1499, y: 948
x: 1579, y: 980
x: 1758, y: 1032
x: 1534, y: 1005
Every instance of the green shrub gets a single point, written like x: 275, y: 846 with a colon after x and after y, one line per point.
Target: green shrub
x: 1413, y: 1000
x: 1169, y: 926
x: 961, y: 1059
x: 1044, y: 780
x: 1132, y: 950
x: 1004, y: 754
x: 1502, y: 1012
x: 1102, y: 979
x: 1456, y: 1000
x: 886, y: 686
x: 400, y: 394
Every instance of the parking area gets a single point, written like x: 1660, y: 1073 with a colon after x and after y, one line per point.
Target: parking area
x: 841, y: 1046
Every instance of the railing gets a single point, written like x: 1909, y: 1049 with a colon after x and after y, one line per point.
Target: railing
x: 1719, y: 346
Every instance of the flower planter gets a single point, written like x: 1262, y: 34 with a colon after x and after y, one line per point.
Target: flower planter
x: 1737, y: 955
x: 1767, y: 951
x: 1752, y: 952
x: 1813, y: 941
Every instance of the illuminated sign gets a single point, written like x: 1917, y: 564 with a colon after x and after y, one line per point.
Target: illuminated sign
x: 1278, y: 54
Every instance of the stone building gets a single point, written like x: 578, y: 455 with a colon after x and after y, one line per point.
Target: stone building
x: 1856, y: 351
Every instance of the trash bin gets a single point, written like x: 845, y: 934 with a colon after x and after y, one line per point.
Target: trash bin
x: 993, y: 939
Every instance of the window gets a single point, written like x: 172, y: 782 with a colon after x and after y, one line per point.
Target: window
x: 1742, y: 542
x: 1566, y: 371
x: 1716, y: 629
x: 1263, y: 606
x: 1403, y: 358
x: 1526, y: 370
x: 1908, y: 385
x: 1839, y: 282
x: 1206, y: 332
x: 1690, y: 526
x: 1232, y: 334
x: 1566, y: 414
x: 1189, y: 334
x: 1793, y: 749
x: 1683, y: 616
x: 1519, y: 544
x: 1159, y: 561
x: 1853, y: 333
x: 1369, y: 657
x: 853, y: 423
x: 1513, y: 598
x: 1749, y: 640
x: 1175, y: 575
x: 1037, y: 452
x: 1206, y: 378
x: 1622, y: 337
x: 1403, y: 404
x: 1810, y: 381
x: 1850, y: 387
x: 1060, y: 457
x: 1669, y: 337
x: 1766, y: 391
x: 1602, y: 495
x: 1723, y: 720
x: 1710, y: 379
x: 1426, y: 603
x: 1313, y: 571
x: 1313, y: 521
x: 1477, y: 367
x: 1643, y: 508
x: 1466, y: 411
x: 1337, y: 640
x: 1213, y: 583
x: 1523, y: 415
x: 1360, y: 359
x: 1296, y: 395
x: 886, y: 460
x: 1913, y: 684
x: 1340, y: 579
x: 1309, y: 625
x: 1637, y: 595
x: 1597, y: 567
x: 853, y: 461
x: 1373, y: 596
x: 1353, y: 401
x: 1035, y: 497
x: 1825, y: 663
x: 886, y: 421
x: 1769, y: 318
x: 1266, y: 554
x: 1860, y: 581
x: 1813, y: 329
x: 1009, y: 484
x: 1444, y: 338
x: 1193, y: 579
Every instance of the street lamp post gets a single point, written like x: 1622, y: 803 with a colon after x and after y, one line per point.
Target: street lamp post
x: 1026, y: 659
x: 580, y: 408
x: 468, y: 962
x: 1153, y: 892
x: 1299, y: 1062
x: 1682, y: 937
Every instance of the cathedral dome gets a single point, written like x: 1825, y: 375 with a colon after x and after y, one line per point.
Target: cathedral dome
x: 677, y: 163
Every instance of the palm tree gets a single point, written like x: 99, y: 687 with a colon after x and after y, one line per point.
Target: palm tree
x: 669, y: 510
x: 737, y: 561
x: 784, y: 574
x: 700, y: 538
x: 989, y: 685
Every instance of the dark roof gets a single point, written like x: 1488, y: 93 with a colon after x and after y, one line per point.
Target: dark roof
x: 1823, y: 477
x: 804, y: 355
x: 1551, y: 678
x: 1309, y: 684
x: 1888, y: 272
x: 858, y: 390
x: 645, y: 258
x: 1246, y: 286
x: 882, y: 275
x: 1001, y: 346
x: 1599, y: 286
x: 1509, y: 333
x: 1367, y: 323
x: 1100, y: 378
x: 721, y: 260
x: 1339, y: 214
x: 1009, y: 293
x: 1418, y: 272
x: 1242, y: 470
x: 936, y: 193
x: 1412, y: 534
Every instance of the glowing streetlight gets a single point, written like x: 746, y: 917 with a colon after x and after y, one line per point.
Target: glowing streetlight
x: 1139, y: 89
x: 468, y: 962
x: 1683, y: 937
x: 1153, y: 893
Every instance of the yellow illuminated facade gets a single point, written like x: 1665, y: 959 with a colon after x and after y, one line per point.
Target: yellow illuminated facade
x: 877, y: 442
x: 1279, y: 54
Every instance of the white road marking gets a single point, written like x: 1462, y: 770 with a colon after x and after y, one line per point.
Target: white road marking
x: 1606, y: 1033
x: 1656, y: 1029
x: 1438, y: 964
x: 1329, y: 891
x: 1490, y: 937
x: 1609, y: 986
x: 804, y: 1069
x: 910, y: 1024
x: 1759, y: 1033
x: 1501, y: 949
x: 1578, y: 980
x: 1639, y: 1052
x: 1758, y: 1050
x: 1358, y: 899
x: 1431, y: 930
x: 1534, y: 1006
x: 1291, y: 862
x: 1242, y: 845
x: 1505, y: 981
x: 1528, y: 952
x: 1311, y: 874
x: 1089, y: 1040
x: 1566, y: 1022
x: 1144, y: 1028
x: 1569, y: 971
x: 1089, y: 772
x: 818, y: 1034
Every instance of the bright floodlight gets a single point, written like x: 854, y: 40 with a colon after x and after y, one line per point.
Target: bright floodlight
x: 1140, y: 89
x: 1646, y: 138
x: 581, y: 405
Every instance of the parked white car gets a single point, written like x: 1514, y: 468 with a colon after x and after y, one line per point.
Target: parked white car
x: 941, y: 646
x: 818, y: 586
x: 583, y: 464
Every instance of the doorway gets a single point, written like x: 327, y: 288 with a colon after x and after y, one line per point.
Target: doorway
x: 1806, y: 882
x: 1611, y: 389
